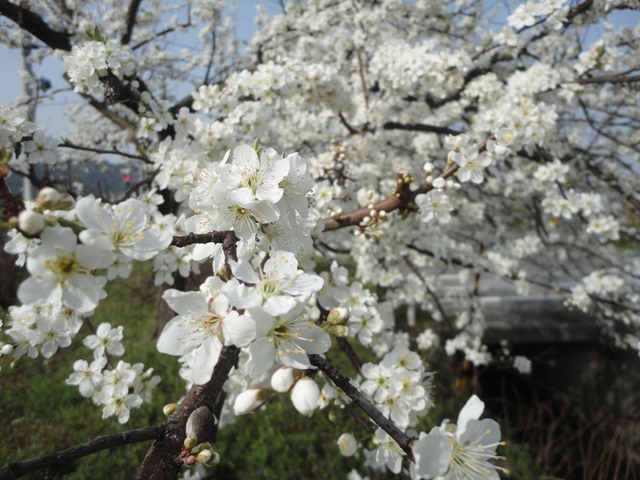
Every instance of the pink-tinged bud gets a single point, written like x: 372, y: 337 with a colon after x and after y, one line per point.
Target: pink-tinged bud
x: 47, y: 197
x: 338, y: 315
x: 248, y: 401
x: 305, y: 396
x: 31, y: 222
x: 67, y: 202
x: 189, y: 460
x: 282, y: 379
x: 347, y: 444
x: 214, y: 459
x: 204, y: 456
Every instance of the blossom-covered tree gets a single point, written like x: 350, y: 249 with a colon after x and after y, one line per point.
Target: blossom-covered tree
x: 404, y: 136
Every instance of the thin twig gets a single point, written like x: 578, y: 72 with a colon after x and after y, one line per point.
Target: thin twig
x: 115, y: 151
x: 97, y: 444
x: 343, y: 383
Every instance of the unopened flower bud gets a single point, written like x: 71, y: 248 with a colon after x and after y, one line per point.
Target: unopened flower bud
x: 189, y: 460
x: 31, y: 222
x: 67, y: 202
x: 248, y: 401
x: 282, y: 379
x: 339, y: 330
x: 213, y: 461
x: 428, y: 168
x: 201, y: 446
x: 6, y: 349
x: 189, y: 443
x: 305, y: 395
x: 338, y: 315
x: 223, y: 273
x: 439, y: 183
x: 169, y: 408
x: 204, y: 456
x: 47, y: 197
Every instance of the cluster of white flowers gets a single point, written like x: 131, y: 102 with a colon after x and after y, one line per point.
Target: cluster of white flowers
x: 42, y: 327
x: 118, y: 389
x: 528, y: 13
x: 400, y: 386
x: 597, y: 283
x: 273, y: 327
x: 38, y: 147
x: 270, y: 82
x: 88, y: 64
x: 365, y: 319
x: 261, y: 197
x: 427, y: 67
x: 64, y: 287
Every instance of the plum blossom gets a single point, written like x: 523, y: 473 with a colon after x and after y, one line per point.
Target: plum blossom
x: 93, y: 60
x: 388, y: 452
x: 60, y: 264
x: 462, y: 451
x: 288, y: 339
x: 347, y: 445
x: 118, y: 401
x: 434, y: 205
x: 472, y: 165
x: 252, y: 178
x: 277, y: 289
x: 88, y: 377
x: 107, y: 340
x: 205, y: 323
x: 122, y: 228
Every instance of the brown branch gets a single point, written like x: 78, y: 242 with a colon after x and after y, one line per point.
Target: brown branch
x: 608, y: 79
x: 211, y: 237
x: 162, y: 461
x: 402, y: 199
x: 35, y: 25
x: 110, y: 114
x: 352, y: 131
x: 115, y: 151
x: 343, y: 383
x: 64, y: 457
x: 420, y: 127
x: 430, y: 291
x: 12, y: 205
x: 390, y: 204
x: 346, y: 347
x: 132, y: 13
